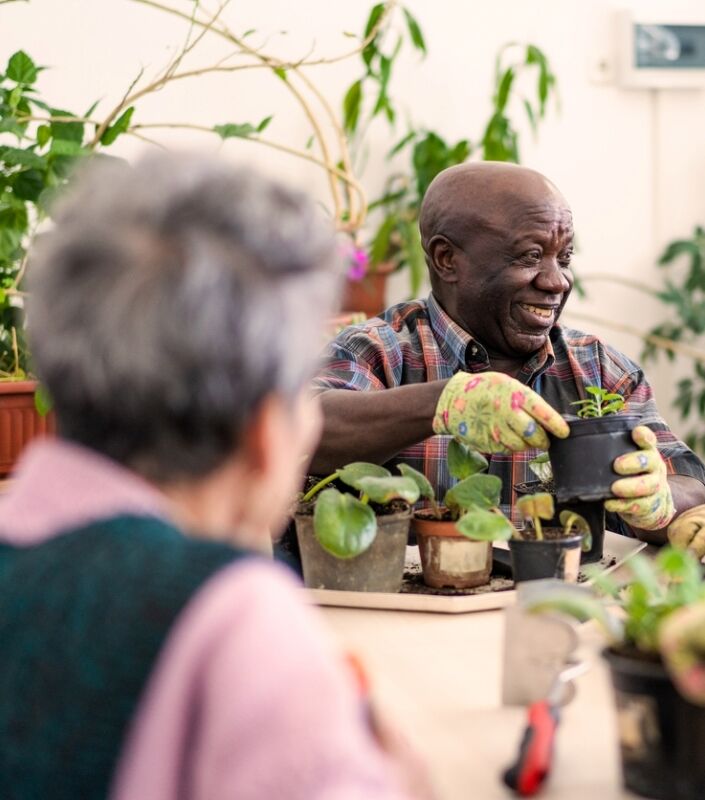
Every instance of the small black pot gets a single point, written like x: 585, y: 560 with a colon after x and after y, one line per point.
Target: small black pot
x: 549, y: 558
x: 582, y: 463
x: 593, y: 513
x: 662, y: 734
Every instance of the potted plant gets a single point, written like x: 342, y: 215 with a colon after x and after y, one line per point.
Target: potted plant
x: 455, y: 538
x: 661, y: 732
x: 542, y: 549
x: 599, y: 433
x: 592, y: 512
x: 353, y: 536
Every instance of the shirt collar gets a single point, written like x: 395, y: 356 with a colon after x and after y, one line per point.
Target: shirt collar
x: 59, y: 486
x: 462, y: 351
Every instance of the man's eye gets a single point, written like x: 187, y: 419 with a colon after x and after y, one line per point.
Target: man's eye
x: 565, y: 258
x: 532, y: 257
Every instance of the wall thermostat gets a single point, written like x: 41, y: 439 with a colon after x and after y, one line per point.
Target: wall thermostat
x: 662, y: 52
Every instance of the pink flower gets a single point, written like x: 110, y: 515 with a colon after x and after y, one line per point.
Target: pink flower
x: 518, y: 400
x: 358, y: 261
x: 472, y: 383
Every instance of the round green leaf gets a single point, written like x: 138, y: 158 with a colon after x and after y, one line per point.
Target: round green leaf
x: 21, y: 68
x: 351, y: 473
x: 464, y: 462
x: 484, y: 526
x: 477, y: 490
x: 425, y: 488
x: 536, y: 505
x: 384, y: 490
x: 343, y: 525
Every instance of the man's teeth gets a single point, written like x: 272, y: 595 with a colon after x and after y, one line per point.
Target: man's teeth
x: 542, y: 312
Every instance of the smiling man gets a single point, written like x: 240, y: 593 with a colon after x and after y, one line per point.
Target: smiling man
x: 484, y: 359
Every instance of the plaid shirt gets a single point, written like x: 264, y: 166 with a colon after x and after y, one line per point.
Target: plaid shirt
x: 417, y: 341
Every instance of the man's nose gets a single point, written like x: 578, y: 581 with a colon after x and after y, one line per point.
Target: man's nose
x: 552, y: 277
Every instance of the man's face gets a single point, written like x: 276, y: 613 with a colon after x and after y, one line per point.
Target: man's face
x: 514, y: 276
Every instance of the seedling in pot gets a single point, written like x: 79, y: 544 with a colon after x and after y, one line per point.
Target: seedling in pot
x: 601, y: 403
x: 344, y: 523
x: 473, y: 503
x: 541, y: 467
x: 540, y: 506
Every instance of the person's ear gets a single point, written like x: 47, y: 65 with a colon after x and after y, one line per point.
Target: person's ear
x: 443, y: 258
x: 261, y: 437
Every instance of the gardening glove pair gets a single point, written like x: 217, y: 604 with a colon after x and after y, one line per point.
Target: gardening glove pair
x: 688, y: 531
x: 494, y: 413
x: 645, y: 499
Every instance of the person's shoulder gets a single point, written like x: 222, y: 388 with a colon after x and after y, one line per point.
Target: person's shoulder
x: 396, y: 320
x: 586, y: 346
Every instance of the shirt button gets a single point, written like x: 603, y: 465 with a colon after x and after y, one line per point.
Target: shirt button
x: 473, y: 350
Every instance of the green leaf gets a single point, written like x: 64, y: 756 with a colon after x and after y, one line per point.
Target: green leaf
x: 351, y: 106
x: 351, y: 473
x: 414, y: 255
x: 280, y: 72
x: 384, y: 490
x: 68, y: 131
x: 43, y: 135
x: 17, y: 157
x: 483, y: 491
x: 242, y: 130
x: 373, y: 19
x: 28, y: 185
x: 504, y: 88
x: 21, y: 68
x: 484, y: 526
x: 42, y: 401
x: 401, y: 144
x: 121, y: 124
x: 539, y: 505
x: 415, y: 32
x: 464, y: 462
x: 379, y: 249
x: 424, y: 485
x: 343, y: 525
x: 66, y: 147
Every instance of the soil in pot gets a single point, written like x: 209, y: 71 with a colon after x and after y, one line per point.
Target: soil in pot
x: 554, y: 556
x: 582, y: 463
x: 450, y: 560
x: 379, y: 569
x: 593, y: 513
x: 662, y: 735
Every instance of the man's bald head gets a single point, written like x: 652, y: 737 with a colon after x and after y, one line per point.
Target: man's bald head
x: 477, y: 196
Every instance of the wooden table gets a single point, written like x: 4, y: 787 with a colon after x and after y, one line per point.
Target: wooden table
x: 439, y: 677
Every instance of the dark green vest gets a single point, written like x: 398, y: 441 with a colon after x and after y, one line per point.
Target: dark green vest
x: 83, y: 617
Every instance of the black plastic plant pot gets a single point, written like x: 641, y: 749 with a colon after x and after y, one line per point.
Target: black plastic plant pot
x: 662, y: 735
x: 593, y: 513
x: 582, y: 463
x: 534, y: 560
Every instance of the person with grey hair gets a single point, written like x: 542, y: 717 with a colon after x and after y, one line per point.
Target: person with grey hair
x: 175, y: 313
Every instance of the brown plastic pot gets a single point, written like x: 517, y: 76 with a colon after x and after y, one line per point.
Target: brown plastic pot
x: 661, y: 733
x: 449, y: 559
x: 19, y: 421
x: 379, y: 569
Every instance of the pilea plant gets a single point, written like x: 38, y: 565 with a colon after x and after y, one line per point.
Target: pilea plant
x: 473, y: 503
x: 601, y: 403
x: 540, y: 506
x: 344, y: 524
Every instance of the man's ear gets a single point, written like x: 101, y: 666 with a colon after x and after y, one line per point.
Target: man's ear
x: 443, y: 256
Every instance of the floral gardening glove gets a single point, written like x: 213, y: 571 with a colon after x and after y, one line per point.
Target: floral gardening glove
x: 689, y: 531
x: 645, y: 497
x: 494, y: 413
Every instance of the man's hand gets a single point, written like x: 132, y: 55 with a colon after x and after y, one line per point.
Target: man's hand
x: 688, y: 531
x: 494, y: 413
x: 645, y: 496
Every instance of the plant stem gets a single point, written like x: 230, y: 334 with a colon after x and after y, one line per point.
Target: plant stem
x: 538, y: 528
x: 317, y: 488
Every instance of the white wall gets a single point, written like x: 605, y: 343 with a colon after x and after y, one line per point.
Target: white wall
x: 631, y: 162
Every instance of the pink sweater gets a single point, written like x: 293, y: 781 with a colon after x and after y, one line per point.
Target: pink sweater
x: 248, y: 698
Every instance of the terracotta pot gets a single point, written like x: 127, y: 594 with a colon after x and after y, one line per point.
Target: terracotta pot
x: 19, y: 421
x: 368, y: 294
x: 379, y: 569
x: 449, y: 559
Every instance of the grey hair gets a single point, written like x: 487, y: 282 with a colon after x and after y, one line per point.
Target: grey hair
x: 169, y: 299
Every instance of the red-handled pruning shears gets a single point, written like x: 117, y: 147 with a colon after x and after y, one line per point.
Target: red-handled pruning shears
x: 533, y: 765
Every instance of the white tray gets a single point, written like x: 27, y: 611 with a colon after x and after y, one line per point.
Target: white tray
x: 616, y: 547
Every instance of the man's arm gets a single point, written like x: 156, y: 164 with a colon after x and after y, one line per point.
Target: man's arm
x: 687, y: 492
x: 374, y: 425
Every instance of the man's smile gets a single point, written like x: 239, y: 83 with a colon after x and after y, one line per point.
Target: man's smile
x: 538, y: 316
